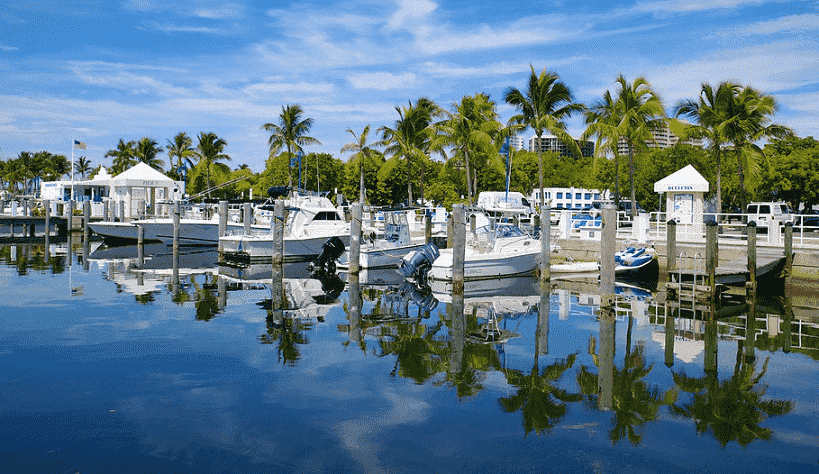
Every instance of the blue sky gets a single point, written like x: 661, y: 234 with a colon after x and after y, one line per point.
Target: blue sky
x: 101, y: 71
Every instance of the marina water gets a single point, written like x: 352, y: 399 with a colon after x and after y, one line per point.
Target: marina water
x: 108, y: 364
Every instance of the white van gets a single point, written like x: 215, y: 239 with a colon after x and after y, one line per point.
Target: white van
x: 764, y: 212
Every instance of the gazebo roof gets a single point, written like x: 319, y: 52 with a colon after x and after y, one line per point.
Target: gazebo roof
x: 686, y: 179
x: 143, y: 173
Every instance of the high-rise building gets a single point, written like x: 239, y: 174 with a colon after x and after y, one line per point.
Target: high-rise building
x: 552, y: 143
x: 662, y: 138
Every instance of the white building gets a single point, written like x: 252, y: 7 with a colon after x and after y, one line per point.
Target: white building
x: 569, y: 198
x: 137, y: 186
x: 552, y: 143
x: 662, y: 138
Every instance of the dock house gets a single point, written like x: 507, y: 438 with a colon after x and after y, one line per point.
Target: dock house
x: 684, y: 201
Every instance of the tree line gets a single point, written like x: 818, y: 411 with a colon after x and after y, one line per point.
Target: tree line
x: 471, y: 145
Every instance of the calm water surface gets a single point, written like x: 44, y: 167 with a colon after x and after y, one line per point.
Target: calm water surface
x: 111, y: 366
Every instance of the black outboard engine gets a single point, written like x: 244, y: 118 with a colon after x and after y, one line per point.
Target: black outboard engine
x: 330, y: 251
x: 422, y: 296
x: 418, y: 262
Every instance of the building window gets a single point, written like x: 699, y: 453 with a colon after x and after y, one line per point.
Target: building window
x: 587, y: 196
x: 596, y: 196
x: 560, y: 195
x: 577, y: 195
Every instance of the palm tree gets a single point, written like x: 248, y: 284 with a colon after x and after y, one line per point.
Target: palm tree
x: 181, y: 148
x: 472, y: 127
x: 82, y: 166
x: 362, y: 150
x: 410, y: 138
x: 146, y: 151
x: 602, y: 118
x: 751, y: 121
x: 641, y: 112
x: 711, y: 120
x: 210, y: 150
x: 291, y: 133
x: 123, y: 156
x: 547, y: 103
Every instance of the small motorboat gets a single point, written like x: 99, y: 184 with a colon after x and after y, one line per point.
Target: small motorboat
x: 635, y: 261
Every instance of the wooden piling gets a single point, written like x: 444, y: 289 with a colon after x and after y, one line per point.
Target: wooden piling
x: 122, y: 217
x: 458, y: 248
x: 278, y: 233
x: 140, y: 245
x: 607, y: 249
x: 86, y: 218
x: 47, y: 208
x: 176, y: 213
x: 670, y: 330
x: 711, y: 256
x: 247, y: 217
x: 671, y: 248
x: 105, y: 210
x: 545, y: 241
x: 427, y: 228
x: 788, y: 252
x: 223, y: 215
x: 450, y: 230
x: 751, y: 284
x: 355, y: 239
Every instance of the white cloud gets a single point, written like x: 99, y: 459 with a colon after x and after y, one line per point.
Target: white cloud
x: 268, y: 88
x: 186, y: 29
x: 8, y: 48
x: 792, y: 23
x: 807, y: 102
x: 219, y: 11
x: 382, y: 80
x: 499, y: 68
x: 691, y: 5
x: 412, y: 8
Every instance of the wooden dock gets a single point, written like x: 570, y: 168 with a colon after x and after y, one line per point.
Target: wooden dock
x: 25, y: 225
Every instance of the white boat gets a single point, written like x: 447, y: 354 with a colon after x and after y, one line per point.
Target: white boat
x: 115, y: 232
x: 506, y: 251
x: 191, y: 231
x: 575, y: 267
x: 386, y: 252
x: 311, y: 221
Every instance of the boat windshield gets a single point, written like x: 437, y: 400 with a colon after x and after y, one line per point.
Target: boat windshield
x: 509, y: 231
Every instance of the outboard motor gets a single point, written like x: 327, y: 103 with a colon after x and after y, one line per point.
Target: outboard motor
x: 421, y: 296
x: 418, y: 262
x: 330, y: 251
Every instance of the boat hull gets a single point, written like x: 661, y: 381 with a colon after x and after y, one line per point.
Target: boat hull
x: 481, y: 266
x: 256, y: 248
x: 192, y: 232
x: 118, y: 232
x: 375, y: 257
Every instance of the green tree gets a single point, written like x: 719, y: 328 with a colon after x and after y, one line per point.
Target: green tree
x: 146, y: 151
x: 290, y: 133
x: 410, y: 138
x: 711, y: 115
x: 181, y: 148
x: 602, y: 120
x: 795, y: 174
x: 82, y: 166
x: 545, y: 105
x: 471, y: 128
x: 210, y: 151
x: 641, y: 112
x: 123, y: 156
x: 751, y: 111
x: 363, y: 152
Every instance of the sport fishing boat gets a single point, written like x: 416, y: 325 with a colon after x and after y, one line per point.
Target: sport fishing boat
x: 503, y: 252
x: 311, y: 221
x: 386, y: 252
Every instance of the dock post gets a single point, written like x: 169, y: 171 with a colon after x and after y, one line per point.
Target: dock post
x: 427, y: 228
x: 788, y: 251
x: 671, y: 248
x: 86, y: 218
x: 47, y: 208
x: 670, y: 332
x: 607, y: 250
x: 355, y: 239
x: 545, y: 245
x: 711, y: 256
x: 277, y: 277
x: 69, y: 216
x: 140, y: 245
x: 750, y: 285
x: 542, y: 329
x: 105, y: 210
x: 223, y: 212
x: 458, y: 248
x: 176, y: 228
x: 450, y: 229
x: 247, y: 217
x: 122, y: 217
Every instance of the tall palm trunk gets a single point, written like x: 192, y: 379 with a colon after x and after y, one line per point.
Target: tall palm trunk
x: 616, y: 181
x: 290, y: 168
x: 361, y: 182
x: 540, y: 168
x: 409, y: 180
x: 468, y: 178
x: 719, y: 181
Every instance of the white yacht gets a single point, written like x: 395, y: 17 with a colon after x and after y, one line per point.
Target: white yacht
x: 386, y: 251
x: 311, y: 220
